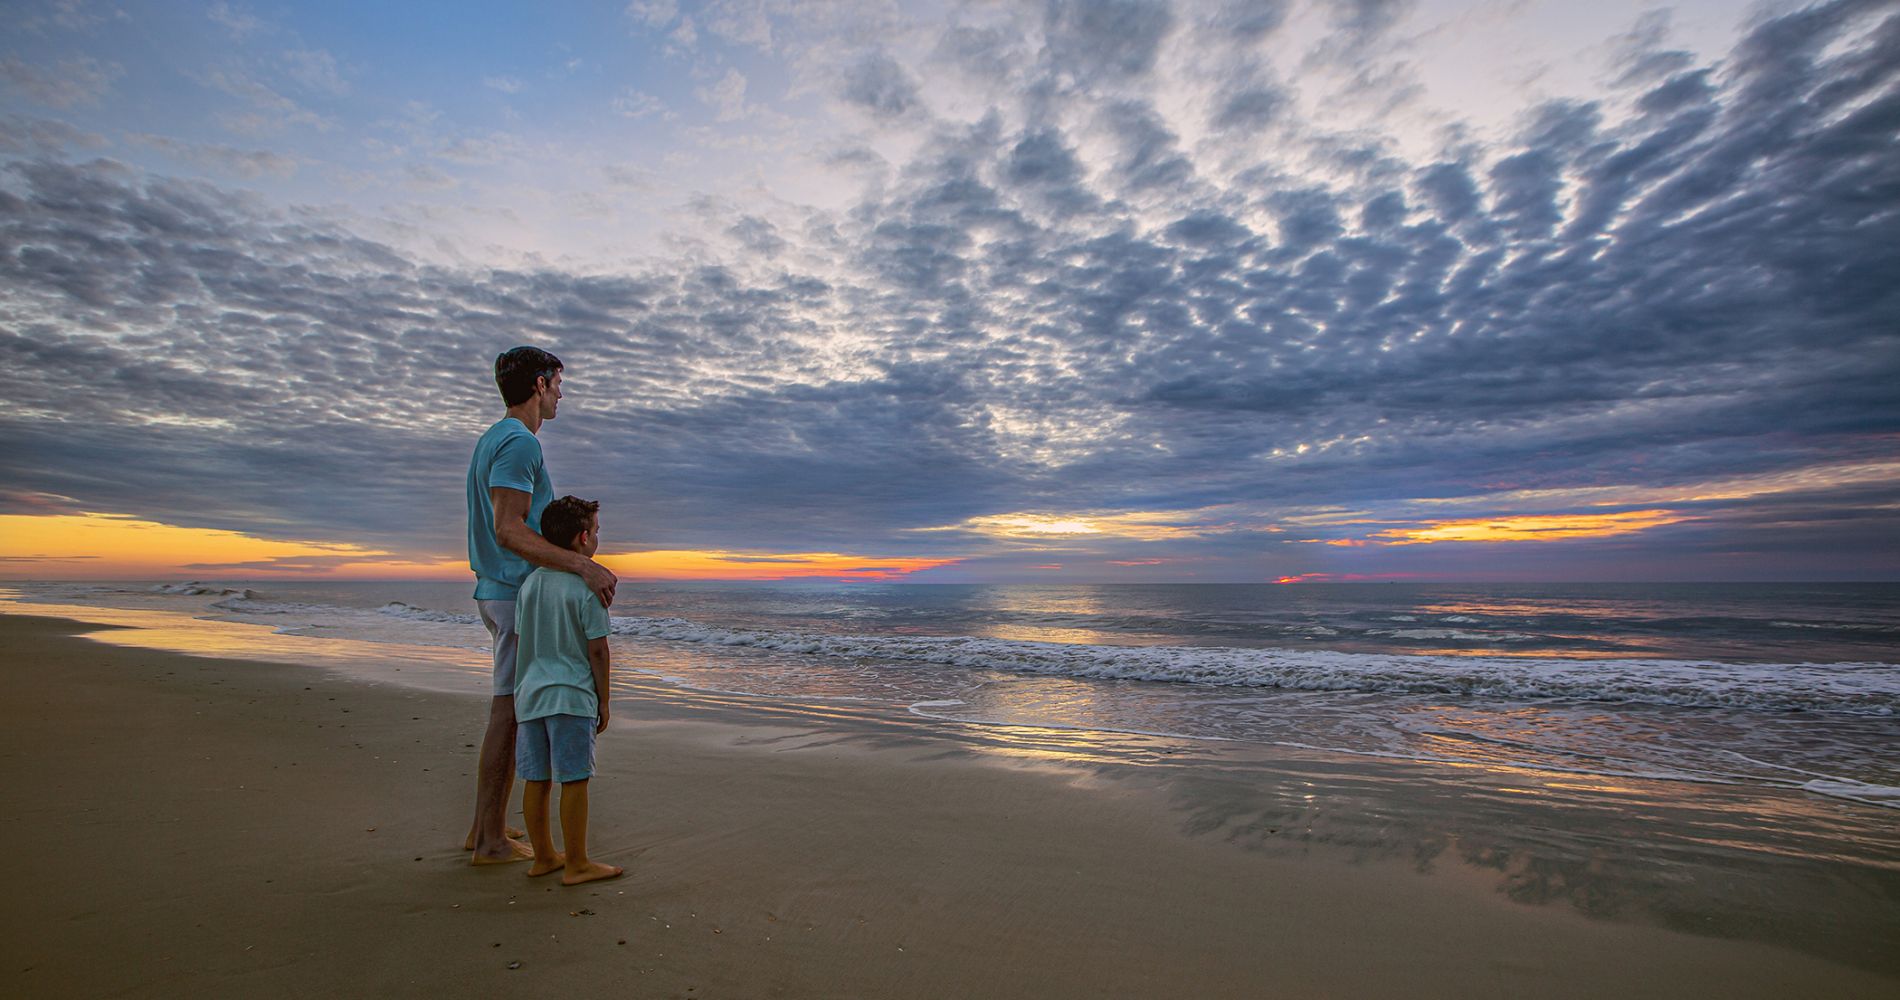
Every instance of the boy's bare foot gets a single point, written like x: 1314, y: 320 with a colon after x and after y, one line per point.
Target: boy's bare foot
x: 517, y: 851
x: 507, y: 831
x: 594, y: 872
x: 539, y: 868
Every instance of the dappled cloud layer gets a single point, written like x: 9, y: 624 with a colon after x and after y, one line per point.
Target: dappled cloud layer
x: 1107, y: 293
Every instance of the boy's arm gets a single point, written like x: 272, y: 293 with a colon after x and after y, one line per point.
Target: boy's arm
x: 598, y: 658
x: 513, y: 533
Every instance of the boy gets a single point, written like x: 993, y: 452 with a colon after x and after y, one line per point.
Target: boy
x: 561, y: 693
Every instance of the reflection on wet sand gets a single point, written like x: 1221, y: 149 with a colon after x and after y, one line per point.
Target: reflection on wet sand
x: 436, y: 667
x: 1763, y: 864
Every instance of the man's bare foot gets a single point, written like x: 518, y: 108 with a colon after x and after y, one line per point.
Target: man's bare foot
x: 517, y: 851
x: 508, y: 831
x: 540, y: 868
x: 594, y: 872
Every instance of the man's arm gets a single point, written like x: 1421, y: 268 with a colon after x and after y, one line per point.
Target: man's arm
x: 512, y: 531
x: 600, y: 660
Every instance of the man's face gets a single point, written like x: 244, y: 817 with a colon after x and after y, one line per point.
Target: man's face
x: 550, y: 395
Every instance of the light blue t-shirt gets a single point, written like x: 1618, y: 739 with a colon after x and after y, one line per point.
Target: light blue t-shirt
x: 555, y: 616
x: 508, y: 455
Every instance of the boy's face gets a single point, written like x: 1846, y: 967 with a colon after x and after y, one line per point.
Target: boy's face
x: 588, y: 542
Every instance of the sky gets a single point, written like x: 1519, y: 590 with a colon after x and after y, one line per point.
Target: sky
x: 1116, y: 291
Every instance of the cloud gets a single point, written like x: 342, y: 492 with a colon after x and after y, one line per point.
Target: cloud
x: 878, y: 85
x: 653, y: 13
x: 315, y: 70
x: 727, y: 97
x: 226, y: 159
x: 67, y: 15
x: 271, y: 112
x: 1106, y: 40
x: 504, y: 84
x: 1067, y: 297
x: 72, y: 83
x: 631, y: 103
x: 241, y: 23
x: 45, y: 137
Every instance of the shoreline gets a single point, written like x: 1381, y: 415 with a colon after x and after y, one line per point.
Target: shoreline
x: 264, y: 824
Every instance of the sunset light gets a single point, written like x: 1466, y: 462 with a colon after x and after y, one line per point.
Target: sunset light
x: 106, y: 546
x: 680, y: 564
x: 1134, y: 525
x: 1530, y: 528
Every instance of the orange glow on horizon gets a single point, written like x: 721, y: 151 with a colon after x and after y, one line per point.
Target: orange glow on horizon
x: 695, y: 564
x: 111, y: 546
x: 1530, y: 527
x: 1137, y: 525
x: 1347, y: 578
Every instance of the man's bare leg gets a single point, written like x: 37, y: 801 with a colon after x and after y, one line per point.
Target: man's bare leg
x: 512, y: 832
x: 494, y: 781
x: 574, y: 833
x: 534, y: 805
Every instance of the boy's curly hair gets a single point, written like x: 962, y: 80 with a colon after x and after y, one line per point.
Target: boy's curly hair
x: 567, y: 517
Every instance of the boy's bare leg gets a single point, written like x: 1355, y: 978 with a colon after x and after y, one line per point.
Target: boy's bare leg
x: 534, y: 805
x: 494, y: 781
x: 574, y: 833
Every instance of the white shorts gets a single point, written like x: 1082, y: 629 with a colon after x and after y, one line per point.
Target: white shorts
x: 499, y: 616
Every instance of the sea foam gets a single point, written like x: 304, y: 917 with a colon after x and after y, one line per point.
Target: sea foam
x: 1847, y: 688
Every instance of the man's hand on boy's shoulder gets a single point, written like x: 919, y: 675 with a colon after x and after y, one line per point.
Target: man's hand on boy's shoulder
x: 601, y: 581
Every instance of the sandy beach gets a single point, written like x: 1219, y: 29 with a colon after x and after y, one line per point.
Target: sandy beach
x: 219, y: 827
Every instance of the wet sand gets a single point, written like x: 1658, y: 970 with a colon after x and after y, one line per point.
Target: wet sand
x: 218, y: 827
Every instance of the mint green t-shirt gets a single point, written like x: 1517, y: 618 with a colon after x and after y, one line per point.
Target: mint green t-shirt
x: 555, y: 616
x: 507, y: 455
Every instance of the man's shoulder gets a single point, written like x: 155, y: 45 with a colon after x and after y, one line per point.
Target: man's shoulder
x: 507, y: 429
x: 507, y: 440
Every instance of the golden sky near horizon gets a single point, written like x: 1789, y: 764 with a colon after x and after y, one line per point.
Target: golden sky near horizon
x: 81, y: 546
x: 104, y: 546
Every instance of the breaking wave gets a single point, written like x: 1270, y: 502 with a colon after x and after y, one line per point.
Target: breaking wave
x: 1845, y: 688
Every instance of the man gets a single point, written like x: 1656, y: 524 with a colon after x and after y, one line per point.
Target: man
x: 508, y: 486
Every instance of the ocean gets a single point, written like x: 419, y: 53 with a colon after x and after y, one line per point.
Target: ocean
x: 1791, y: 686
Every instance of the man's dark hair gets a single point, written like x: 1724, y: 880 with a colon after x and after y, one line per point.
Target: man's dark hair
x: 517, y: 370
x: 567, y: 517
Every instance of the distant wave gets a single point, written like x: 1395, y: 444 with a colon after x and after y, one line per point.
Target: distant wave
x: 247, y: 603
x: 1846, y: 688
x: 194, y: 588
x: 1835, y: 626
x: 1463, y: 635
x: 1859, y: 791
x: 397, y: 609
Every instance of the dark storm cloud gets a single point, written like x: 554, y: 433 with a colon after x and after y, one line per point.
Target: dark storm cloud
x: 1060, y: 313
